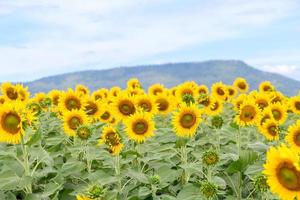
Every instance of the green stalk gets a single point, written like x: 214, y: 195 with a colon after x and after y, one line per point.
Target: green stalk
x: 28, y: 188
x: 184, y: 161
x: 118, y: 172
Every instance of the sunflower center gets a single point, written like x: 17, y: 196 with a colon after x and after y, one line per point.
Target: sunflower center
x: 127, y: 108
x: 297, y: 105
x: 215, y: 106
x: 112, y: 139
x: 188, y: 120
x: 276, y: 114
x: 231, y: 92
x: 84, y: 132
x: 273, y: 130
x: 146, y: 106
x: 105, y: 115
x: 10, y: 123
x: 162, y: 104
x: 242, y: 85
x: 74, y: 122
x: 140, y: 127
x: 248, y: 113
x: 91, y: 108
x: 55, y: 100
x: 288, y: 176
x: 297, y: 138
x: 187, y: 92
x: 157, y: 90
x: 262, y: 103
x: 267, y: 88
x: 202, y: 91
x: 11, y: 94
x: 220, y: 91
x: 73, y: 103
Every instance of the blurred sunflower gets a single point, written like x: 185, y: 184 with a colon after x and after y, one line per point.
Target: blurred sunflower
x: 11, y: 126
x: 164, y: 103
x: 71, y: 100
x: 249, y: 113
x: 266, y: 86
x: 270, y: 129
x: 133, y: 83
x: 82, y: 90
x: 73, y: 119
x: 23, y: 93
x: 82, y: 197
x: 219, y: 90
x: 294, y: 104
x: 279, y: 112
x: 111, y: 138
x: 231, y: 92
x: 215, y: 106
x: 293, y: 136
x: 146, y: 103
x: 9, y: 91
x: 241, y: 84
x: 93, y: 109
x: 100, y: 94
x: 156, y: 89
x: 283, y: 172
x: 114, y: 92
x: 186, y: 88
x: 123, y: 106
x: 54, y: 96
x: 262, y: 100
x: 186, y: 120
x: 106, y: 113
x: 139, y: 126
x: 202, y: 89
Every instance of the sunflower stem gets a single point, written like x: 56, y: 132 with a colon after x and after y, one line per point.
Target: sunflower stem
x: 184, y: 162
x: 28, y: 188
x: 118, y: 172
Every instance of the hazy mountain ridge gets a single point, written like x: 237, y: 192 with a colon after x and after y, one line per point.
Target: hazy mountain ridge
x: 169, y: 74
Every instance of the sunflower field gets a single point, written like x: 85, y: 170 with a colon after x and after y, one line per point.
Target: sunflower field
x: 182, y: 143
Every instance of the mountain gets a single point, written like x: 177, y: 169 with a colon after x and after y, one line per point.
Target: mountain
x: 169, y: 74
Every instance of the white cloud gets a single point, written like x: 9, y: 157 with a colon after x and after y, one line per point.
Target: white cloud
x: 100, y: 33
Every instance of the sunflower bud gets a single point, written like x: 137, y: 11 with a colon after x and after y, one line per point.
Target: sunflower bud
x: 35, y: 108
x: 188, y: 99
x: 83, y: 132
x: 96, y: 191
x: 209, y: 190
x: 210, y: 158
x: 217, y: 122
x: 155, y: 179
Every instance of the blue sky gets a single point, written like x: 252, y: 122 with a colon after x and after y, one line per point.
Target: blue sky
x: 40, y: 37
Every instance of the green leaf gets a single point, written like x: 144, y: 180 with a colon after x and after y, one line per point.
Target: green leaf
x: 246, y: 158
x: 189, y: 192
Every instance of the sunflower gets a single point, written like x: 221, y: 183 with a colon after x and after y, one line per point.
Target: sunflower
x: 106, y: 114
x: 156, y: 89
x: 100, y: 94
x: 23, y: 93
x: 186, y: 120
x: 187, y: 88
x: 294, y: 104
x: 248, y: 113
x: 231, y: 92
x: 279, y: 112
x: 82, y: 90
x: 293, y: 136
x: 283, y: 172
x: 241, y: 84
x: 82, y: 197
x: 262, y: 100
x: 71, y: 100
x: 2, y: 100
x: 265, y: 115
x: 219, y: 90
x: 54, y: 96
x: 215, y: 106
x: 134, y: 91
x: 277, y: 97
x: 39, y: 97
x: 92, y: 109
x: 270, y: 129
x: 123, y: 106
x: 139, y: 126
x: 202, y: 89
x: 9, y: 91
x: 73, y: 119
x: 164, y: 103
x: 172, y: 91
x: 133, y: 83
x: 114, y: 92
x: 11, y: 126
x: 111, y: 138
x: 266, y: 86
x: 147, y: 103
x: 237, y: 102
